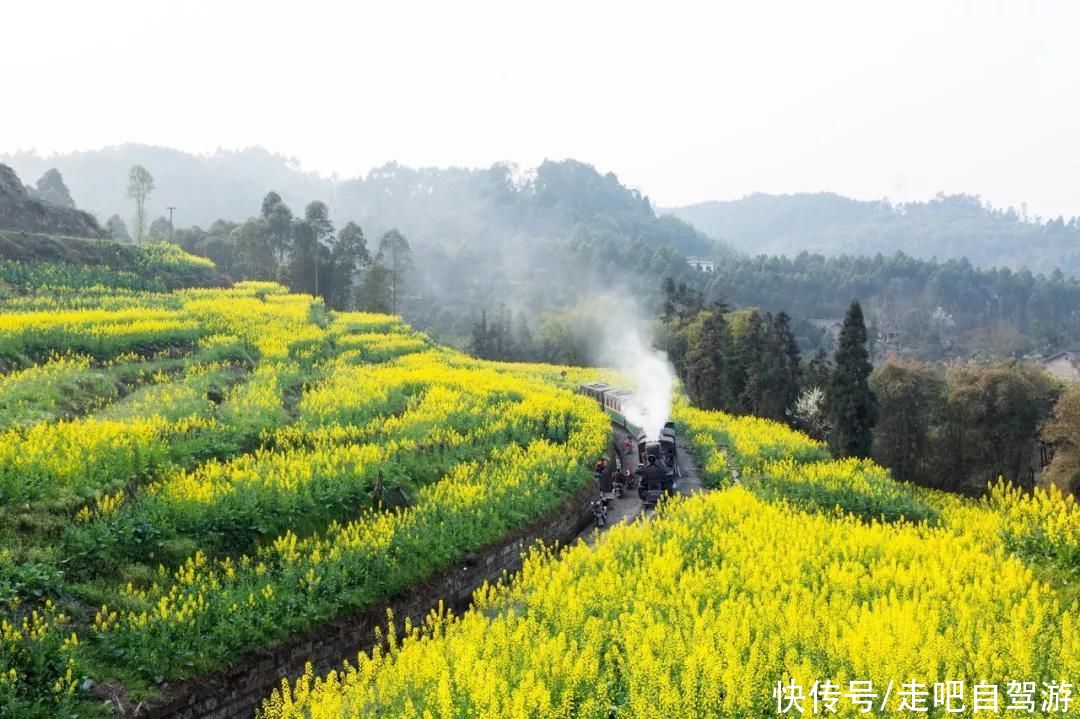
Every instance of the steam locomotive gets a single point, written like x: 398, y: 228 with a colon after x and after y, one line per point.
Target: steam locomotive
x: 614, y: 401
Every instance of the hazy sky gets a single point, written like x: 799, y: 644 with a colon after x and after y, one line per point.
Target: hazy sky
x: 686, y: 101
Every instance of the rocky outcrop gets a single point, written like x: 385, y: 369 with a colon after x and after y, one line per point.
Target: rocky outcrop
x: 21, y: 211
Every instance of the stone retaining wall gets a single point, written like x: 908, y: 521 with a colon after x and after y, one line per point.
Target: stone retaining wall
x: 238, y: 692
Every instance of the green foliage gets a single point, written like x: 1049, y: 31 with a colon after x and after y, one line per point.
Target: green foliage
x: 911, y: 399
x: 710, y: 362
x: 31, y: 261
x: 68, y: 386
x: 993, y: 417
x: 963, y: 428
x: 929, y: 309
x: 770, y: 366
x: 116, y: 228
x: 850, y: 401
x: 40, y: 673
x: 395, y: 255
x: 51, y: 188
x: 140, y: 185
x: 502, y: 339
x: 854, y: 486
x: 737, y: 361
x: 1062, y: 432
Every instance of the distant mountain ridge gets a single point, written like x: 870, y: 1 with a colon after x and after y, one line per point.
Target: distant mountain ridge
x: 224, y: 185
x: 945, y: 227
x: 455, y: 204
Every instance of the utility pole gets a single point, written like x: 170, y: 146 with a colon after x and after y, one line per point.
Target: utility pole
x: 170, y: 209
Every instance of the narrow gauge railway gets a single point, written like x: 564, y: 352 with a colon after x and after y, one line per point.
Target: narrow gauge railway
x: 633, y: 449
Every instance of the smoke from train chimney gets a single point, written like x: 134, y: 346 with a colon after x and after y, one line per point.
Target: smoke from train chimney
x: 653, y: 380
x: 624, y: 344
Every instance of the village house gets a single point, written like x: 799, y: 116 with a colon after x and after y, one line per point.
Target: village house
x: 1064, y: 365
x: 701, y: 264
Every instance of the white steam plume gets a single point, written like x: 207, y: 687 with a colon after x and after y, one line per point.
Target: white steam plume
x: 625, y: 345
x: 654, y: 383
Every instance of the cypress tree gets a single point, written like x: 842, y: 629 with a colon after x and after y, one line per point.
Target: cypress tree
x: 707, y: 363
x: 851, y: 403
x: 753, y: 358
x: 480, y: 338
x: 787, y: 366
x: 819, y: 370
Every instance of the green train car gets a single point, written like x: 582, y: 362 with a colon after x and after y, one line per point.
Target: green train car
x: 614, y: 400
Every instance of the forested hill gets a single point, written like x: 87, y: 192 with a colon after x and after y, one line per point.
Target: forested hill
x: 446, y: 206
x: 499, y: 239
x: 945, y: 227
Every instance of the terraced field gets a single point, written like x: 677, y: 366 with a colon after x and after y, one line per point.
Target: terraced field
x: 188, y: 475
x: 808, y: 572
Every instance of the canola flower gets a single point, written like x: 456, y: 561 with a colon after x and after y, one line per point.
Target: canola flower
x: 248, y: 478
x: 700, y: 612
x: 367, y: 322
x: 95, y: 332
x: 97, y: 297
x: 1043, y: 523
x: 127, y: 441
x: 378, y: 346
x: 208, y: 610
x: 43, y: 392
x: 750, y: 442
x: 151, y: 260
x: 481, y: 448
x: 38, y: 661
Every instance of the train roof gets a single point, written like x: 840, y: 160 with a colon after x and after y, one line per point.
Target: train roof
x: 620, y: 392
x: 600, y: 386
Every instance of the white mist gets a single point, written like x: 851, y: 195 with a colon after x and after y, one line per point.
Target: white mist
x: 626, y: 347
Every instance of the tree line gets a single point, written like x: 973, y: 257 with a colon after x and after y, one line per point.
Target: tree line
x: 953, y: 427
x: 748, y: 362
x: 306, y: 253
x: 961, y: 427
x: 924, y: 309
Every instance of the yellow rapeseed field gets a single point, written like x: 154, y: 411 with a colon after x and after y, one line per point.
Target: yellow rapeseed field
x: 247, y: 465
x: 702, y: 611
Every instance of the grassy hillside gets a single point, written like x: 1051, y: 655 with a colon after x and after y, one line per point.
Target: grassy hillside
x: 186, y: 476
x: 31, y: 261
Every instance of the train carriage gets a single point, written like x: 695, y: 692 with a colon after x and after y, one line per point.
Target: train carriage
x: 614, y: 401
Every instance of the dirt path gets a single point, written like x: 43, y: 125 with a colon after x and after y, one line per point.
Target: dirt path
x: 629, y: 507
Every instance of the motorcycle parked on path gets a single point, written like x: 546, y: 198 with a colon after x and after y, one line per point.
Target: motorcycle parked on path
x: 599, y: 510
x: 618, y: 485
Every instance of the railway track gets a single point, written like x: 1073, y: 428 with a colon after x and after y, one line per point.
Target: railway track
x: 629, y: 507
